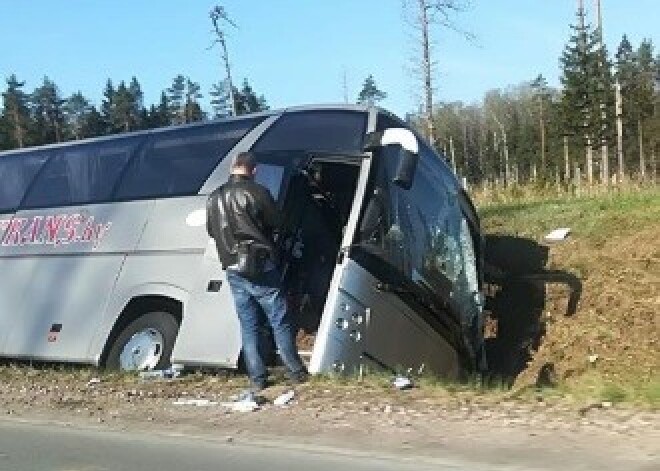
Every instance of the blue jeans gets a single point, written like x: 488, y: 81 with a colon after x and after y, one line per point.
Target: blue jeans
x: 251, y: 297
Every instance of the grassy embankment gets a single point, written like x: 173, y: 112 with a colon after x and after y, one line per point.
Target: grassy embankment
x: 610, y: 348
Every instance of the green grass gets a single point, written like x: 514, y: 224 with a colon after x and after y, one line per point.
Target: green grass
x: 593, y: 217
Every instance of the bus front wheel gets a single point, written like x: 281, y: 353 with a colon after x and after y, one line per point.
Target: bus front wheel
x: 144, y: 344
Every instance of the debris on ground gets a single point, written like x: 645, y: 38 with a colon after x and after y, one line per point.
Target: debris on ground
x: 558, y: 235
x: 194, y: 402
x: 172, y: 372
x: 93, y: 381
x: 402, y: 382
x: 285, y: 398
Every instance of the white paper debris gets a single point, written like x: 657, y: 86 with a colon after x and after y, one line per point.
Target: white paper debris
x: 93, y: 381
x: 402, y: 382
x: 241, y: 406
x: 593, y: 358
x: 284, y: 399
x: 557, y: 235
x: 194, y: 402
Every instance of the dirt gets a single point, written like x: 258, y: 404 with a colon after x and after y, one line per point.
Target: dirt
x: 614, y: 333
x: 427, y: 420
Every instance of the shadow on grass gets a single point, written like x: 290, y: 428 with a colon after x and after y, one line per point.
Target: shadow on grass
x: 516, y: 277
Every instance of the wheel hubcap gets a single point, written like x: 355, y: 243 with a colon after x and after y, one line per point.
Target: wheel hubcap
x: 142, y: 351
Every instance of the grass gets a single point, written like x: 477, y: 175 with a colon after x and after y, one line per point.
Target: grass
x: 592, y: 217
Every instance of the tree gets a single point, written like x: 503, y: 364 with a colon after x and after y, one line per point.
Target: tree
x: 370, y: 93
x: 427, y: 13
x: 48, y: 112
x: 175, y: 97
x: 643, y: 96
x: 77, y: 110
x: 247, y: 100
x: 217, y: 14
x: 124, y: 113
x: 192, y: 110
x: 16, y: 112
x: 540, y: 87
x: 580, y: 109
x: 107, y: 107
x: 159, y: 115
x: 221, y: 97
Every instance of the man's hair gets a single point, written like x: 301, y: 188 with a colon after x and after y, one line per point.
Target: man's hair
x: 245, y: 161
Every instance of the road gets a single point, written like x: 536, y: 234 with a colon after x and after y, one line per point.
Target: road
x: 50, y: 447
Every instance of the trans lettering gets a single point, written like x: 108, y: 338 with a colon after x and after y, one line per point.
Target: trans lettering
x: 55, y: 230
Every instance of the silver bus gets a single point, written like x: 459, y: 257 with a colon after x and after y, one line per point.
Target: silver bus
x: 106, y: 260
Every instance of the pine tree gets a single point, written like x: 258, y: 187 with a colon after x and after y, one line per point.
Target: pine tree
x: 370, y: 93
x: 540, y: 87
x: 94, y: 124
x: 4, y: 134
x: 77, y: 110
x: 175, y: 97
x: 162, y: 112
x: 123, y: 114
x: 192, y: 112
x: 16, y: 112
x: 220, y: 99
x: 580, y: 106
x: 138, y: 111
x: 247, y: 100
x: 643, y: 96
x: 107, y: 105
x: 48, y: 113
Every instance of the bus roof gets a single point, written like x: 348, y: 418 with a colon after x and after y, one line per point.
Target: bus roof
x: 264, y: 114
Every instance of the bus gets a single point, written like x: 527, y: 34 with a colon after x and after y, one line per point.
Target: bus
x: 106, y: 259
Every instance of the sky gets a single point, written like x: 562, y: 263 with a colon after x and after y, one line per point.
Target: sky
x: 297, y: 51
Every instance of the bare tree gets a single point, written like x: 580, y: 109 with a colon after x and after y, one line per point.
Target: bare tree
x: 217, y: 15
x: 427, y: 13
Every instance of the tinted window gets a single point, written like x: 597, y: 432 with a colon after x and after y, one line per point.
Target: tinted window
x: 325, y: 131
x: 16, y: 174
x: 81, y: 174
x: 178, y: 162
x: 421, y: 232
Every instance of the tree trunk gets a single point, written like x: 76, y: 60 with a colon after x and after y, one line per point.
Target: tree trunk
x: 542, y: 123
x: 604, y: 165
x: 452, y: 153
x: 590, y: 162
x: 642, y: 161
x: 426, y: 65
x: 18, y: 129
x: 567, y: 162
x: 619, y: 132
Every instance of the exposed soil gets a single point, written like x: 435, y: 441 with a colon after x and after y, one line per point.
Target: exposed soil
x: 611, y: 262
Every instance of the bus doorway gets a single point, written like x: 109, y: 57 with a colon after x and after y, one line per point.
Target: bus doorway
x: 315, y: 195
x: 316, y: 211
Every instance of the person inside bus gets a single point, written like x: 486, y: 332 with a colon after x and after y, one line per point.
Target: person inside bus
x: 242, y: 217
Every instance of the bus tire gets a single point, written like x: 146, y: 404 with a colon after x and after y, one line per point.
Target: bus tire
x: 144, y: 344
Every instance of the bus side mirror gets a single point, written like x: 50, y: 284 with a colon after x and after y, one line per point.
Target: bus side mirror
x: 408, y: 154
x: 405, y: 171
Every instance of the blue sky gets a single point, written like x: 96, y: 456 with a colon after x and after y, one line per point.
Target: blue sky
x: 296, y: 51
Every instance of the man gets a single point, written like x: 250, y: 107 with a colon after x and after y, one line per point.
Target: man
x: 242, y: 218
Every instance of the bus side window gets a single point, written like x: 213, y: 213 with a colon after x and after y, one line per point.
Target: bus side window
x: 179, y: 161
x: 16, y: 175
x: 82, y: 174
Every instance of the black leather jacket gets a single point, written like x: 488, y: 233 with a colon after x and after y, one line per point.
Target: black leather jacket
x: 249, y: 216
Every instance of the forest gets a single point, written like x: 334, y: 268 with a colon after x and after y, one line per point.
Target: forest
x: 601, y: 125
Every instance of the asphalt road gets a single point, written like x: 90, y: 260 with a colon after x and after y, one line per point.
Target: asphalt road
x: 48, y: 447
